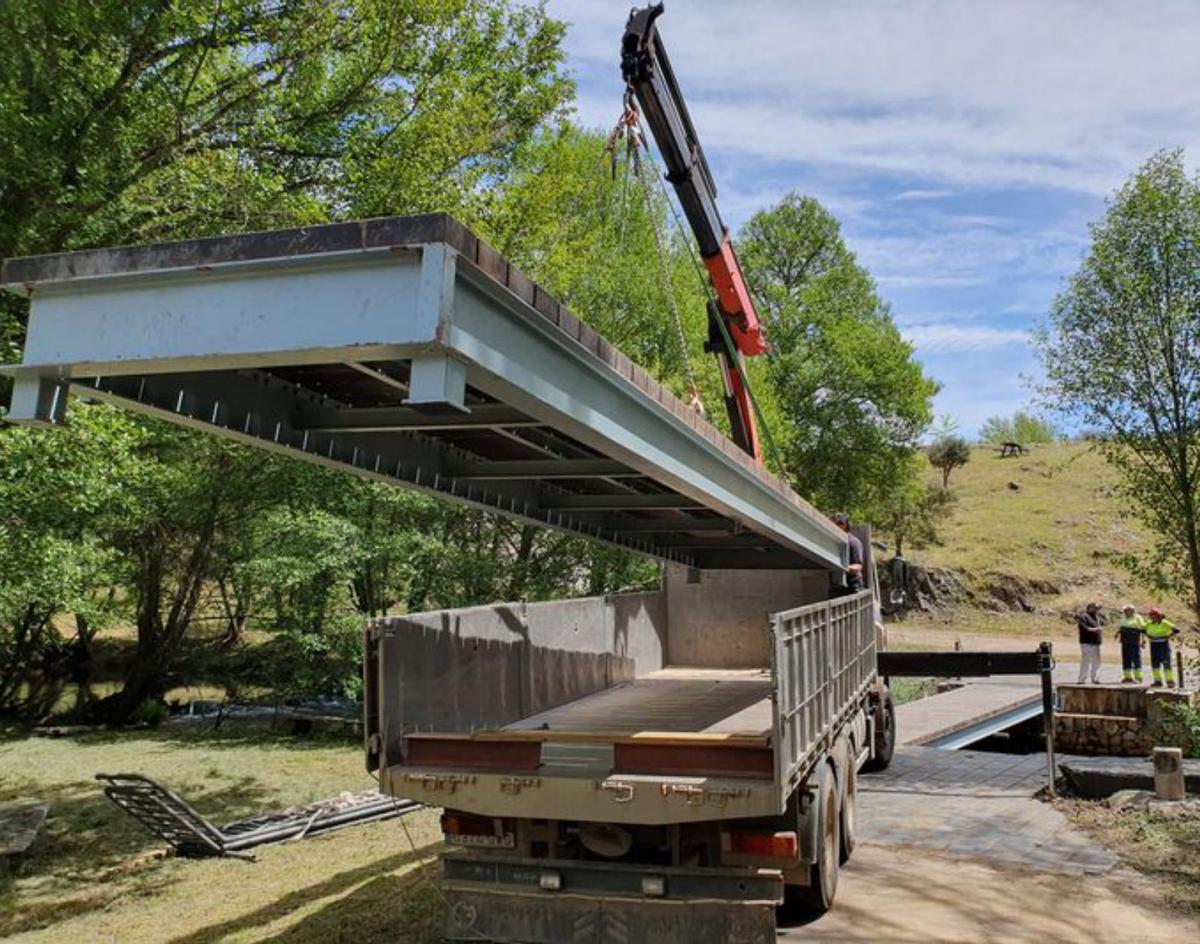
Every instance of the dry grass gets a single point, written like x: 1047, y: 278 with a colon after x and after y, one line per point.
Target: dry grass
x: 1065, y: 524
x: 1164, y: 848
x: 89, y: 878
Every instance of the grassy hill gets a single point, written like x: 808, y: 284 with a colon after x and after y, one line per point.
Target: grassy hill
x: 1052, y: 542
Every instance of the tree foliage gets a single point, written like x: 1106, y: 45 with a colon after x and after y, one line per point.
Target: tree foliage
x: 54, y: 499
x: 851, y: 400
x: 915, y: 515
x: 1122, y: 355
x: 1021, y: 427
x: 947, y: 454
x: 138, y: 121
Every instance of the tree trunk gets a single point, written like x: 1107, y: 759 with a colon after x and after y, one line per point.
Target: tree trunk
x: 159, y: 637
x: 520, y: 574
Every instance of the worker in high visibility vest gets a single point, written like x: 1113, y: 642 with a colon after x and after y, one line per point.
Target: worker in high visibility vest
x: 1160, y: 631
x: 1132, y: 633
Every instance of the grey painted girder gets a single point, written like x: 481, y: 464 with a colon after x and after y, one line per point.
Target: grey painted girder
x: 196, y: 327
x: 255, y: 409
x: 546, y: 469
x: 391, y: 419
x: 657, y: 502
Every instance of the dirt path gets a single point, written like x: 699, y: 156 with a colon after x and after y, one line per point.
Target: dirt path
x: 908, y: 895
x: 934, y: 638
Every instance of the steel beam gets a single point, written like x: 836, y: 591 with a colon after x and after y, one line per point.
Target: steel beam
x: 190, y: 332
x: 546, y: 469
x: 682, y: 524
x: 617, y: 502
x: 391, y: 419
x: 378, y: 376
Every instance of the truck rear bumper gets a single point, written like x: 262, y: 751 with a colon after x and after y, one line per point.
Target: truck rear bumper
x: 477, y: 914
x: 602, y: 903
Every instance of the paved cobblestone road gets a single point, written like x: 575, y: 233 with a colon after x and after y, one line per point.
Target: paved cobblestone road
x: 954, y: 848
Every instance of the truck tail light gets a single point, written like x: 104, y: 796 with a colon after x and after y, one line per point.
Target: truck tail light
x: 765, y: 845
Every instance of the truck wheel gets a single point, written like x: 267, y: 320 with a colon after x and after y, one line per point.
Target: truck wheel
x: 885, y: 736
x: 816, y: 898
x: 849, y: 804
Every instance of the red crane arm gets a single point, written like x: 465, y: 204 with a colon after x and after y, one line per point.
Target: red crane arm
x: 734, y: 329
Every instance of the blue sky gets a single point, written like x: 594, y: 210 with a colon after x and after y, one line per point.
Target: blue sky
x: 964, y: 146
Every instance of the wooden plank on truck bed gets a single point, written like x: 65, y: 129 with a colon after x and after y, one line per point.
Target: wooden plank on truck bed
x: 709, y: 702
x: 674, y: 738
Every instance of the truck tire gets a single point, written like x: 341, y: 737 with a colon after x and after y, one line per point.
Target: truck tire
x: 849, y: 803
x: 814, y: 899
x: 885, y: 736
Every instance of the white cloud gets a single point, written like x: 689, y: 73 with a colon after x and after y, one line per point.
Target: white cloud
x: 1071, y: 94
x: 922, y: 195
x: 948, y: 255
x: 943, y: 338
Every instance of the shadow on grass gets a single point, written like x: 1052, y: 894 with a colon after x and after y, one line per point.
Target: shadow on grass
x: 231, y: 735
x: 86, y: 836
x: 384, y: 907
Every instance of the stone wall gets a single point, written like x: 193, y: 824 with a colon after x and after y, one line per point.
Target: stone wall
x: 1116, y: 720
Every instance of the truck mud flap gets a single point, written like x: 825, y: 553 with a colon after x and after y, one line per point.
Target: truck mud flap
x: 478, y: 914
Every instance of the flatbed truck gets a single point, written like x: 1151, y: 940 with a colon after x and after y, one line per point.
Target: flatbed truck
x: 672, y: 766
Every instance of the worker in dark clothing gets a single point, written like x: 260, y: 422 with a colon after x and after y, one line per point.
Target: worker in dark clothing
x: 1132, y: 633
x: 854, y: 569
x: 1160, y: 631
x: 1090, y: 639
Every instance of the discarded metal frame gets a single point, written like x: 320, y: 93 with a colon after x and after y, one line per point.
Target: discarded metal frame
x: 175, y: 821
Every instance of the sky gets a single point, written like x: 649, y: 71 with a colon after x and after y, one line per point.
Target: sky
x: 964, y: 146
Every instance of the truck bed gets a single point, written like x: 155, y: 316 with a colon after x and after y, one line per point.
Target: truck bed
x: 677, y: 699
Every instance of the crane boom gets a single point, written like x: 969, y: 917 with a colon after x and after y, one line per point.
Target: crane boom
x: 734, y: 329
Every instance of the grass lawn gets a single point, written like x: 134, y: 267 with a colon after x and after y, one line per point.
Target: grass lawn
x: 89, y: 878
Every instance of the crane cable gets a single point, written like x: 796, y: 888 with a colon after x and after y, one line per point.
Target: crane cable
x: 707, y: 287
x: 629, y: 129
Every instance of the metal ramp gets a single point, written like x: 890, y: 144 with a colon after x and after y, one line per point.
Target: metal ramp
x: 407, y: 351
x: 172, y: 819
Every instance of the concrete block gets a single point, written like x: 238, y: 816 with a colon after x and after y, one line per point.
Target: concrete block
x: 1168, y: 773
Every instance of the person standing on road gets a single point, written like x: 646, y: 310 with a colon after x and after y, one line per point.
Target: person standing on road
x: 1160, y: 631
x: 1131, y: 632
x: 1090, y: 639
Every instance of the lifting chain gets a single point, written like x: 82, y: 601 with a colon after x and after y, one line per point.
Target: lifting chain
x: 629, y: 129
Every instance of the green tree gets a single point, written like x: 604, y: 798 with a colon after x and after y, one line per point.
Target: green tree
x: 851, y: 401
x: 56, y: 490
x: 915, y: 515
x: 1021, y: 427
x: 947, y: 454
x: 1121, y: 353
x: 131, y: 120
x: 590, y: 238
x: 185, y: 502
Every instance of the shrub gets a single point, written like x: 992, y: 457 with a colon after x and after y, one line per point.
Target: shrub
x: 1021, y: 427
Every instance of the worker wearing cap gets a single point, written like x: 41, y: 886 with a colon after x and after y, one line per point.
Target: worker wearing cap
x: 1132, y: 633
x: 1160, y: 631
